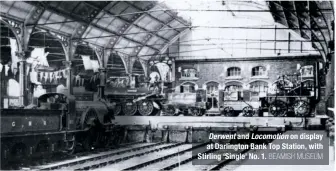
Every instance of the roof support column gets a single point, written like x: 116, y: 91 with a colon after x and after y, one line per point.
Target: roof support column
x: 69, y: 50
x: 130, y: 64
x: 103, y: 58
x: 23, y: 77
x: 23, y: 54
x: 145, y: 67
x: 69, y: 86
x: 289, y: 42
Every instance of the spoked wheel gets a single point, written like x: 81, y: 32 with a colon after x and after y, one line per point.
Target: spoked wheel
x: 278, y: 108
x: 301, y: 108
x: 93, y: 134
x: 228, y: 111
x: 196, y: 112
x: 70, y: 145
x: 117, y: 108
x: 145, y: 107
x: 129, y: 108
x: 170, y: 111
x: 248, y: 111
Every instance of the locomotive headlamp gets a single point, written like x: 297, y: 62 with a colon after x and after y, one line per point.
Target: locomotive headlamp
x: 151, y: 62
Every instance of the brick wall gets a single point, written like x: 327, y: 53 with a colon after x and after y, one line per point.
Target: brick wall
x: 217, y: 70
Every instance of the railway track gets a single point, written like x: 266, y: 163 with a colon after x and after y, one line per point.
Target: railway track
x: 58, y: 157
x: 97, y: 156
x: 144, y: 156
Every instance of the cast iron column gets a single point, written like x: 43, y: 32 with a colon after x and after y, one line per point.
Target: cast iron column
x: 101, y: 87
x: 67, y: 65
x: 23, y: 77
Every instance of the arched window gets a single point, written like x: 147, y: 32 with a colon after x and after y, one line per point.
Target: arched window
x: 187, y: 88
x: 233, y: 72
x: 212, y: 87
x: 233, y: 92
x: 258, y: 89
x: 258, y: 71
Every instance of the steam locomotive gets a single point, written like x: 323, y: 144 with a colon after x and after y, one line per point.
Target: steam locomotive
x: 134, y: 96
x: 289, y: 95
x: 58, y: 123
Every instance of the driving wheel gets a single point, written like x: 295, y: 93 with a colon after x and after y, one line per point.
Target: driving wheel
x: 278, y: 108
x: 145, y: 107
x: 248, y: 111
x: 228, y: 111
x: 301, y: 108
x: 129, y: 108
x: 91, y: 124
x: 170, y: 110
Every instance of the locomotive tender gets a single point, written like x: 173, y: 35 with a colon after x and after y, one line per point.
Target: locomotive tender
x: 58, y: 123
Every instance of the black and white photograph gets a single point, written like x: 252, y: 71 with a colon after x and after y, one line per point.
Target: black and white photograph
x: 183, y: 85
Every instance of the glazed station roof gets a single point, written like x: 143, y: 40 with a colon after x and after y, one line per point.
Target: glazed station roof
x: 312, y: 20
x: 133, y: 28
x: 144, y: 29
x: 255, y: 28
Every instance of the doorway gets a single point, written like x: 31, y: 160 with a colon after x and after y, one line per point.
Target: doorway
x: 212, y: 95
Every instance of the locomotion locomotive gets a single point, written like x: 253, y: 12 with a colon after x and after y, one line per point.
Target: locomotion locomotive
x: 133, y: 97
x: 58, y: 123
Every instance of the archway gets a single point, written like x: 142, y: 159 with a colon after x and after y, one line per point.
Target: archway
x: 9, y: 66
x: 116, y: 66
x: 233, y: 91
x: 45, y: 66
x: 117, y: 76
x: 212, y: 95
x: 187, y: 87
x: 85, y: 65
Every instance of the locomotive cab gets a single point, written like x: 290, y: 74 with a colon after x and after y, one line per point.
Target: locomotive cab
x: 58, y: 101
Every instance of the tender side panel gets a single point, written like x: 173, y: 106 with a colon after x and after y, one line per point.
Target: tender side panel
x: 29, y: 120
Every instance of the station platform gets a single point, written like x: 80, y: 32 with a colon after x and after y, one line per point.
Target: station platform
x: 219, y: 121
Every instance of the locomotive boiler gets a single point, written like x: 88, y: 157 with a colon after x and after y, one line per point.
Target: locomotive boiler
x: 131, y: 101
x: 57, y: 123
x: 185, y: 103
x: 134, y: 95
